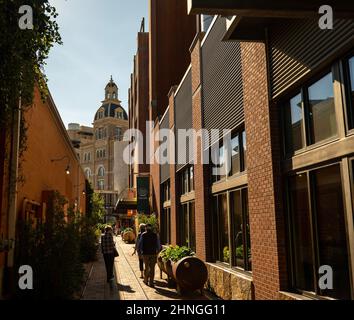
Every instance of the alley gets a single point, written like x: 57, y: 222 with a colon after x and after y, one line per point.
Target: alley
x: 131, y: 287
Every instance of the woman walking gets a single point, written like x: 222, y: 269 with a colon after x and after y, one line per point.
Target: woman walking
x: 142, y: 229
x: 109, y: 251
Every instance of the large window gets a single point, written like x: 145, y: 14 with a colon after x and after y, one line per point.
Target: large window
x: 187, y: 225
x: 318, y: 231
x: 309, y: 116
x: 166, y: 226
x: 236, y: 151
x: 322, y: 116
x: 232, y: 236
x: 350, y: 91
x: 100, y: 184
x: 295, y: 139
x: 187, y: 180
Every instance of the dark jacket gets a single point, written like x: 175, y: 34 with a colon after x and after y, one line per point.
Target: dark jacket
x: 149, y: 243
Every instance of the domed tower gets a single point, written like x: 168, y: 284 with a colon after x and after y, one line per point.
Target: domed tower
x: 110, y: 173
x: 111, y: 105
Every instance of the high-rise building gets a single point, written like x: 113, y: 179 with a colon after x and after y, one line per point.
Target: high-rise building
x: 100, y: 148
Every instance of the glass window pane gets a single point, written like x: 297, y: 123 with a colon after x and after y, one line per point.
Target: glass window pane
x: 192, y: 241
x: 222, y: 163
x: 236, y: 205
x: 302, y: 246
x: 244, y: 145
x: 235, y: 155
x: 331, y: 229
x: 322, y: 111
x: 351, y: 91
x: 294, y: 125
x: 191, y: 178
x: 247, y: 231
x: 224, y: 249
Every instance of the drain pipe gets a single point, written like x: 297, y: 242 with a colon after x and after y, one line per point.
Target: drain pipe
x: 12, y: 201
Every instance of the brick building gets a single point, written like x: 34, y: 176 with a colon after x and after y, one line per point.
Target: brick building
x: 138, y: 98
x: 283, y: 89
x: 48, y: 164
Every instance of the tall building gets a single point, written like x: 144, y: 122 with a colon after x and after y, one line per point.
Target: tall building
x: 100, y: 148
x: 283, y: 88
x: 139, y: 104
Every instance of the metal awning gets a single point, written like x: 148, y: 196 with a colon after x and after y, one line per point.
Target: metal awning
x: 269, y: 8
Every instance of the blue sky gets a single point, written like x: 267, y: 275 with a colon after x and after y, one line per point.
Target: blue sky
x: 99, y: 41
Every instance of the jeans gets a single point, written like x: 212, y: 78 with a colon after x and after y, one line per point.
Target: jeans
x: 150, y: 262
x: 141, y: 263
x: 109, y: 262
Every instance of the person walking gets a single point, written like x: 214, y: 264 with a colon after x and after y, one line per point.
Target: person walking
x: 149, y: 246
x: 109, y: 251
x: 142, y: 229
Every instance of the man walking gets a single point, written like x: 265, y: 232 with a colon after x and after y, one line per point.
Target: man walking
x: 109, y: 251
x: 149, y: 246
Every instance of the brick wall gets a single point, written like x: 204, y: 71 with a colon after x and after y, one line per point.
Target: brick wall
x: 201, y: 176
x: 173, y: 175
x: 264, y: 180
x: 155, y: 178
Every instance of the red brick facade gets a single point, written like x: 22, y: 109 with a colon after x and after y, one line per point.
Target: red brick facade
x: 264, y: 182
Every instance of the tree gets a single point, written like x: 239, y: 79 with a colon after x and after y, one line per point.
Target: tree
x: 23, y: 54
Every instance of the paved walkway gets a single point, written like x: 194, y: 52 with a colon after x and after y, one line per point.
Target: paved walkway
x: 97, y: 287
x: 131, y: 287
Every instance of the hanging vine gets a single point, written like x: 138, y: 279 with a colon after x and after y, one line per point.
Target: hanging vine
x: 22, y: 58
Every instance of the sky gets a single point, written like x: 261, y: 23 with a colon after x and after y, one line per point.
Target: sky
x: 99, y: 40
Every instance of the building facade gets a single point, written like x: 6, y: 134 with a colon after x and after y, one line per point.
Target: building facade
x: 101, y: 147
x: 282, y: 213
x: 48, y: 164
x: 138, y: 98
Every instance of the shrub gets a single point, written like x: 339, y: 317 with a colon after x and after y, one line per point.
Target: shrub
x: 176, y: 253
x: 52, y: 249
x: 149, y: 219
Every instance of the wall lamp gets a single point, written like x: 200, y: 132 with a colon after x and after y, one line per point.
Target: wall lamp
x: 79, y: 185
x: 67, y: 169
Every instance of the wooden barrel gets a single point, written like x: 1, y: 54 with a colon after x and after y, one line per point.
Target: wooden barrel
x: 129, y: 236
x: 168, y: 268
x: 190, y: 273
x: 160, y: 263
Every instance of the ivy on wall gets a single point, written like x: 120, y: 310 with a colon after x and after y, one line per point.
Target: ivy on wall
x: 22, y: 56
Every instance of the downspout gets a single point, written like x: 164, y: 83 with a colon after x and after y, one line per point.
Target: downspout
x: 12, y: 194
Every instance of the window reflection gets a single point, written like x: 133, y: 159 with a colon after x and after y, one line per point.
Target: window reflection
x: 322, y: 111
x: 294, y: 124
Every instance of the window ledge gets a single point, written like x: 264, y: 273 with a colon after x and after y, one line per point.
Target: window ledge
x: 283, y: 295
x: 241, y: 274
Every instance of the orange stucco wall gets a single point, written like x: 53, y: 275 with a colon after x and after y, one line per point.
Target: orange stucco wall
x: 47, y: 140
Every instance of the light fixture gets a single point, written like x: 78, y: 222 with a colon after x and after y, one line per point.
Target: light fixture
x: 67, y: 170
x: 83, y: 192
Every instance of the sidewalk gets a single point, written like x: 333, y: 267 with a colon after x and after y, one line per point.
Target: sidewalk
x: 97, y: 287
x: 131, y: 287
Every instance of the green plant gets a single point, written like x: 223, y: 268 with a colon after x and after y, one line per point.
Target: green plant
x: 176, y: 253
x: 52, y: 249
x: 226, y: 254
x: 22, y: 58
x: 149, y: 219
x: 128, y: 230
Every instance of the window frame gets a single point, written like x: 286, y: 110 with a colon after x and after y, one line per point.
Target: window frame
x: 309, y: 172
x: 231, y: 223
x: 347, y: 101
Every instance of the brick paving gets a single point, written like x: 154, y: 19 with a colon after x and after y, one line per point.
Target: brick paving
x: 131, y: 287
x: 97, y: 287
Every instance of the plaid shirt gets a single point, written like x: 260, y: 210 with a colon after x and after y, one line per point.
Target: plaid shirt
x: 107, y: 243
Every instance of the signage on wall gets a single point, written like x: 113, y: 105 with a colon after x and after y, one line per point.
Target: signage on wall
x: 143, y: 188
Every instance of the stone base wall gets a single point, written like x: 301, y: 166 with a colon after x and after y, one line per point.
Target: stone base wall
x: 228, y: 284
